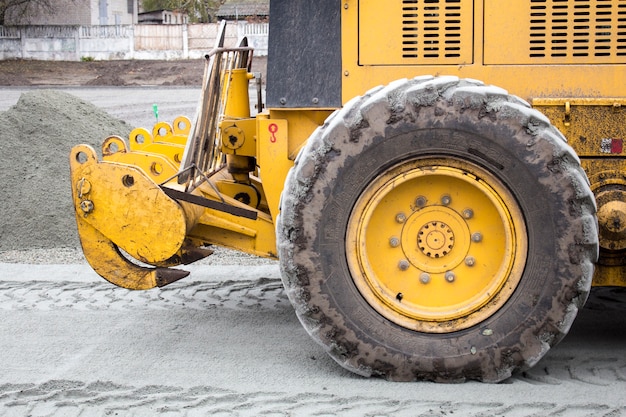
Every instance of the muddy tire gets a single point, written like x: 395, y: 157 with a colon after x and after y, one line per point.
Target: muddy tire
x: 437, y: 229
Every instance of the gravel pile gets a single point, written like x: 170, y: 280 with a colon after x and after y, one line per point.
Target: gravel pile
x: 36, y: 137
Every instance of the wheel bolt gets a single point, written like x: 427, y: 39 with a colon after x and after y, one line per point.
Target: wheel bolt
x: 420, y: 201
x: 394, y: 242
x: 403, y: 265
x: 446, y: 199
x: 424, y: 278
x: 468, y: 213
x: 470, y: 261
x: 400, y: 217
x: 86, y: 206
x: 477, y: 237
x: 450, y: 277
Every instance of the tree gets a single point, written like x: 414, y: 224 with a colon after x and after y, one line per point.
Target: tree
x: 197, y: 10
x: 20, y: 10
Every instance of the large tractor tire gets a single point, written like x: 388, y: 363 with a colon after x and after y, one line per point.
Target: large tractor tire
x: 437, y: 229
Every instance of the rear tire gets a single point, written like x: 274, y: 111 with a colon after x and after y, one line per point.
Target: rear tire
x: 437, y: 229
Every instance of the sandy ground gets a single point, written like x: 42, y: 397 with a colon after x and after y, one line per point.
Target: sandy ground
x: 226, y: 342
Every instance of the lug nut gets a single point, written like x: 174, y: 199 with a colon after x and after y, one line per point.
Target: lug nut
x: 394, y: 242
x: 403, y: 265
x: 400, y: 217
x: 477, y: 237
x: 470, y: 261
x: 446, y: 200
x: 86, y: 206
x: 468, y: 213
x: 424, y: 278
x: 420, y: 201
x: 450, y: 277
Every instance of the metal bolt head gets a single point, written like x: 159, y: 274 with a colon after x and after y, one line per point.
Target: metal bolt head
x: 403, y: 265
x: 86, y: 206
x: 468, y: 213
x: 394, y: 242
x: 400, y: 217
x: 420, y: 201
x: 283, y: 100
x: 424, y: 278
x: 450, y: 277
x: 446, y: 200
x: 470, y: 261
x: 477, y: 237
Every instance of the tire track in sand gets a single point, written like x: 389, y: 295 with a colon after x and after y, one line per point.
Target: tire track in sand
x: 267, y: 294
x: 73, y: 398
x: 47, y: 295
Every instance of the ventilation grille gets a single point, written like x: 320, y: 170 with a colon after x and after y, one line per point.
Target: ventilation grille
x: 577, y: 29
x: 432, y: 29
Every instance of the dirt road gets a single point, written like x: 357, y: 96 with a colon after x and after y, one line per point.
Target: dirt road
x: 19, y: 72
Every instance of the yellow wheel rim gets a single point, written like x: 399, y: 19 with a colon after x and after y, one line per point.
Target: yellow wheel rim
x: 436, y: 245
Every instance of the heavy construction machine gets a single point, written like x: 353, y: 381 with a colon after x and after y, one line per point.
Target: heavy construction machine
x: 428, y: 226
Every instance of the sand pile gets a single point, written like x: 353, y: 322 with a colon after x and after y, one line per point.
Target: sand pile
x: 36, y: 136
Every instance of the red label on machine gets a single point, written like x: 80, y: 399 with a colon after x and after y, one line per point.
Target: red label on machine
x: 613, y: 146
x: 273, y: 128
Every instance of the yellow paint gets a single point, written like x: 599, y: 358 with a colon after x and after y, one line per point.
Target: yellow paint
x: 141, y: 140
x: 239, y: 136
x: 274, y: 162
x: 124, y: 205
x: 499, y: 46
x: 158, y: 167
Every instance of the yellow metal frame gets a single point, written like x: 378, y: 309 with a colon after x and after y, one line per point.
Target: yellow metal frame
x: 522, y: 78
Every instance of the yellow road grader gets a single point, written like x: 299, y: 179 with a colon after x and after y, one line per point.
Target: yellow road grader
x: 428, y: 226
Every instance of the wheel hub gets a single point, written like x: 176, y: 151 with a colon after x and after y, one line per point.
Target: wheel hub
x: 435, y: 239
x: 444, y: 259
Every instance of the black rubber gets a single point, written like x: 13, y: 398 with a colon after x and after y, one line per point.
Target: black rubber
x: 450, y: 118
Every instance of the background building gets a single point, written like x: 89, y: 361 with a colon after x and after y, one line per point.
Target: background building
x: 258, y: 10
x: 76, y: 12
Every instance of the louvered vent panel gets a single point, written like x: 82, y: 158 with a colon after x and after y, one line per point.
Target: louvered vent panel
x: 431, y: 29
x: 577, y: 30
x: 416, y: 32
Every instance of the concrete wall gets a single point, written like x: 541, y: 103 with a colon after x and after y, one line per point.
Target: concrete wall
x: 72, y: 43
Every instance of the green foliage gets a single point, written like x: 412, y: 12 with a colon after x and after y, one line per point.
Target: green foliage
x: 87, y: 58
x: 198, y: 10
